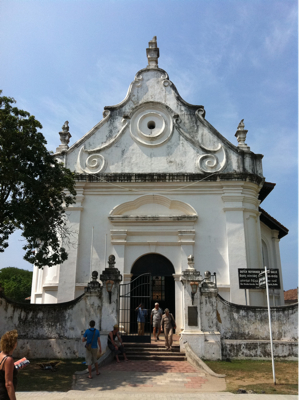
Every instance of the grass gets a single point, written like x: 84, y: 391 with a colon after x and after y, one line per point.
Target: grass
x: 33, y: 378
x: 257, y: 375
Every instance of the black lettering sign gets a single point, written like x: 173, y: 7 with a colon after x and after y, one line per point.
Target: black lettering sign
x: 250, y: 279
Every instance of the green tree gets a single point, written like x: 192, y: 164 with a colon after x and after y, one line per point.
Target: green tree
x: 16, y: 283
x: 34, y: 188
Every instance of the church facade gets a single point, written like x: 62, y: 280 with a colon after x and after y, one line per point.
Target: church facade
x: 156, y: 183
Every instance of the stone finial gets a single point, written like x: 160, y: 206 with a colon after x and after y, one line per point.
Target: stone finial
x: 111, y: 273
x: 241, y: 136
x: 93, y: 286
x: 94, y: 275
x: 208, y: 275
x: 191, y: 262
x: 190, y: 273
x: 152, y: 53
x: 64, y: 137
x: 241, y: 125
x: 208, y: 283
x: 111, y: 261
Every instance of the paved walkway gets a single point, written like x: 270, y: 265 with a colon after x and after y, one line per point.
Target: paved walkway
x: 135, y: 380
x: 151, y: 376
x: 161, y: 380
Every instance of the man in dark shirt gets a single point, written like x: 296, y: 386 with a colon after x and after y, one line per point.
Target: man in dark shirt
x: 141, y: 314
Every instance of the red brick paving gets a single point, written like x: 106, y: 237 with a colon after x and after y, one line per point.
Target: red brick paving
x: 151, y: 366
x: 196, y: 382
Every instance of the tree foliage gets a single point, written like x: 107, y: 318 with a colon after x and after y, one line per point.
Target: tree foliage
x: 16, y: 283
x: 34, y: 188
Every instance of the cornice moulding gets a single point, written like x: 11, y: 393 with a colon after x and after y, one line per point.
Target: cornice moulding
x: 224, y: 179
x: 124, y: 219
x: 156, y: 244
x: 233, y: 198
x: 50, y: 286
x: 243, y: 209
x: 149, y: 232
x: 75, y: 208
x: 177, y: 277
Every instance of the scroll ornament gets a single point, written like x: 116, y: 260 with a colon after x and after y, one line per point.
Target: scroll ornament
x: 208, y: 162
x: 96, y: 163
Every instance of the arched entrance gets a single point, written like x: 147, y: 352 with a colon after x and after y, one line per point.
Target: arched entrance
x: 151, y: 282
x: 162, y: 281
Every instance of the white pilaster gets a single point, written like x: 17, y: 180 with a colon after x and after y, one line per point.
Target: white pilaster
x: 236, y: 245
x: 276, y: 257
x: 118, y: 241
x: 253, y: 241
x: 178, y: 288
x: 67, y: 273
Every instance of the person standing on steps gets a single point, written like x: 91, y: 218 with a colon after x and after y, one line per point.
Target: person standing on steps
x: 141, y: 314
x: 115, y: 348
x: 168, y: 325
x: 92, y: 339
x: 156, y: 316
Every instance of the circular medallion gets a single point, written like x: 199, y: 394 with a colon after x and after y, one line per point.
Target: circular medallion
x: 151, y: 125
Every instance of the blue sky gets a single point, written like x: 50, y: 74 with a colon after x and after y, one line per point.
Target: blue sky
x: 65, y: 60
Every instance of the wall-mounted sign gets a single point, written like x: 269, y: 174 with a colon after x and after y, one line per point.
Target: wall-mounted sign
x: 262, y: 281
x: 273, y: 279
x: 249, y: 278
x: 192, y: 316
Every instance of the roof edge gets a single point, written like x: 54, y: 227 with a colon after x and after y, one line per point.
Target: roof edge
x: 272, y: 223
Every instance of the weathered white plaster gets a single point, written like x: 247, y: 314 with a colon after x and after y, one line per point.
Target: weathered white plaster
x: 259, y: 349
x: 224, y: 330
x: 239, y: 322
x: 156, y: 177
x: 151, y: 227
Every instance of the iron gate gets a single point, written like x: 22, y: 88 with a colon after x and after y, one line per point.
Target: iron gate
x: 131, y: 295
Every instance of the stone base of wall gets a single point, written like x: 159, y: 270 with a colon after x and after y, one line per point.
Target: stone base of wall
x: 259, y: 349
x: 53, y: 348
x: 205, y: 345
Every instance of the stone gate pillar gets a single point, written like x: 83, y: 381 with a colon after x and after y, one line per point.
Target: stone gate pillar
x: 110, y: 278
x: 208, y: 309
x: 93, y: 302
x: 200, y: 313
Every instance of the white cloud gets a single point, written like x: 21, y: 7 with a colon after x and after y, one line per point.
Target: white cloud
x: 282, y: 30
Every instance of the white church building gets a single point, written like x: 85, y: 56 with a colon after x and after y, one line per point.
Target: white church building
x: 156, y: 183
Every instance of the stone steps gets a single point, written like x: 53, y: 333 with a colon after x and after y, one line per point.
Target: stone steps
x: 147, y: 351
x: 155, y: 345
x: 152, y: 351
x: 160, y: 357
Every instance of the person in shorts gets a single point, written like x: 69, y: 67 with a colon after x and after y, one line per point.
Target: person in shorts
x: 156, y: 316
x: 116, y: 348
x: 92, y: 336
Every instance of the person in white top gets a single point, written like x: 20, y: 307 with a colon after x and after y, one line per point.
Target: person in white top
x: 156, y: 316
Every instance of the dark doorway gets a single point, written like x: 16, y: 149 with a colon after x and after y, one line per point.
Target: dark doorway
x: 162, y: 281
x: 131, y: 295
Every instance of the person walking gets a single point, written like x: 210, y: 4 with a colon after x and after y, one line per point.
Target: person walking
x: 141, y: 314
x: 156, y: 316
x: 92, y: 339
x: 168, y: 325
